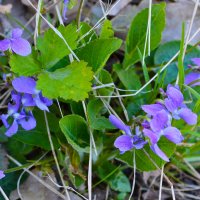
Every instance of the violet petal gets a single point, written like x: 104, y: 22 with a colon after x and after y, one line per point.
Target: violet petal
x: 14, y: 107
x: 4, y: 45
x: 173, y: 134
x: 159, y: 121
x: 21, y: 46
x: 175, y: 95
x: 196, y: 61
x: 152, y: 109
x: 65, y: 9
x: 40, y: 104
x: 188, y: 116
x: 171, y: 107
x: 28, y: 122
x: 24, y: 85
x: 119, y: 124
x: 13, y: 129
x: 48, y: 102
x: 16, y: 33
x: 4, y: 118
x: 151, y: 135
x: 159, y: 152
x: 192, y: 77
x: 27, y: 100
x: 2, y: 175
x: 124, y: 143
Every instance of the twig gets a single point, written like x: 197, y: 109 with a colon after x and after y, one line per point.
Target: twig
x: 69, y: 188
x: 58, y: 13
x: 19, y: 179
x: 167, y: 179
x: 59, y: 108
x: 37, y: 19
x: 54, y: 154
x: 161, y: 181
x: 92, y: 143
x: 3, y: 193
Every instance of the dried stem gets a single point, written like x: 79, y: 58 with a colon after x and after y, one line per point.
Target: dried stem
x: 54, y: 154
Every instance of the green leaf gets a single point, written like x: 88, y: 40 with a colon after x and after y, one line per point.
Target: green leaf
x: 36, y: 138
x: 97, y: 121
x: 3, y: 60
x: 114, y: 177
x: 77, y: 108
x: 71, y: 82
x: 128, y: 77
x: 25, y: 65
x: 121, y: 196
x: 76, y: 132
x: 107, y: 30
x: 53, y: 121
x: 97, y: 52
x: 138, y: 30
x: 143, y: 163
x: 13, y: 146
x: 3, y: 137
x: 53, y: 48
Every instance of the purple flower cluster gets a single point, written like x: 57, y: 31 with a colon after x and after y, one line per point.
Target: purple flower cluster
x: 16, y: 43
x: 159, y: 118
x: 127, y: 141
x: 24, y: 96
x: 158, y: 123
x: 2, y: 175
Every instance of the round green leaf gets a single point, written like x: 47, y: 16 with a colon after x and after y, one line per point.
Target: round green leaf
x: 76, y: 132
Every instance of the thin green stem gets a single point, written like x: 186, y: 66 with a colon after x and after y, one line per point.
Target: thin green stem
x: 78, y: 19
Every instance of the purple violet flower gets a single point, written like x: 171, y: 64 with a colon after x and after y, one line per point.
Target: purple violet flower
x: 159, y: 127
x: 174, y: 104
x: 16, y: 43
x: 2, y: 175
x: 25, y: 95
x: 65, y: 9
x: 18, y: 118
x: 126, y: 142
x: 32, y: 96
